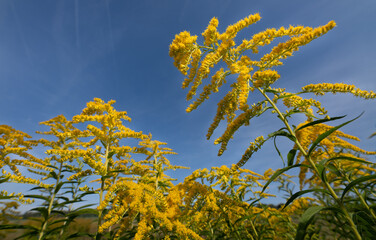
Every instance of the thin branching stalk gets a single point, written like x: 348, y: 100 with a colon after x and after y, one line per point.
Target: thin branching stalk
x: 44, y: 226
x: 98, y: 235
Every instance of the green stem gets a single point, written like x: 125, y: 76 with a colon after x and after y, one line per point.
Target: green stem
x: 253, y: 229
x: 44, y: 226
x: 157, y: 171
x: 313, y: 165
x: 98, y: 235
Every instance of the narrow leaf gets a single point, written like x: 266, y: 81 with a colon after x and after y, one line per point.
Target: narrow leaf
x: 291, y: 156
x: 16, y: 226
x: 59, y: 185
x: 327, y: 133
x: 355, y: 182
x: 3, y: 180
x: 46, y: 198
x: 280, y: 171
x: 53, y: 174
x: 300, y: 193
x: 307, y: 218
x: 318, y: 122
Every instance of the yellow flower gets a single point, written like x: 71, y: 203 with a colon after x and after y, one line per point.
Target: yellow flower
x: 211, y: 34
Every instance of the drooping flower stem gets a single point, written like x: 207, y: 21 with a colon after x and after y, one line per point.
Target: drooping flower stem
x: 313, y: 165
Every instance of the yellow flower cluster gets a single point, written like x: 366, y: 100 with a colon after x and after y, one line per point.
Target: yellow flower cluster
x: 232, y: 30
x: 303, y: 105
x: 267, y: 36
x: 285, y: 49
x: 331, y: 146
x: 138, y: 199
x: 242, y: 119
x: 226, y: 107
x: 211, y: 34
x: 16, y: 196
x: 221, y: 46
x: 181, y: 50
x: 196, y: 56
x: 217, y: 81
x: 254, y: 147
x: 265, y: 78
x: 322, y: 88
x: 81, y: 174
x: 14, y: 142
x: 22, y: 179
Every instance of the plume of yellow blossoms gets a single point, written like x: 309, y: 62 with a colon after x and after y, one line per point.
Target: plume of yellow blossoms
x: 197, y: 61
x: 216, y: 201
x: 14, y: 147
x: 127, y: 187
x: 332, y: 146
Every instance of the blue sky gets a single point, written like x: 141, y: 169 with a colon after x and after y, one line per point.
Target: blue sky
x: 55, y: 56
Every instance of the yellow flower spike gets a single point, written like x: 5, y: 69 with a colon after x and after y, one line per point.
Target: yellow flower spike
x: 267, y: 36
x: 254, y: 147
x: 322, y: 88
x: 232, y: 30
x: 211, y: 34
x: 285, y: 49
x: 181, y: 49
x: 196, y: 56
x: 242, y: 119
x: 217, y: 80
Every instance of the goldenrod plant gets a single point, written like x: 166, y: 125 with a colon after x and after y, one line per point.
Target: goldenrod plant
x: 321, y: 149
x: 125, y: 173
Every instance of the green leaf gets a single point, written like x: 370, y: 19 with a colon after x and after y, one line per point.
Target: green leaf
x: 110, y: 154
x: 325, y: 161
x: 16, y: 226
x: 82, y: 212
x: 279, y: 153
x: 52, y: 166
x: 318, y: 122
x: 291, y: 156
x: 59, y: 185
x: 42, y: 211
x: 355, y: 182
x: 28, y: 234
x: 327, y: 133
x: 291, y: 112
x: 54, y: 175
x: 334, y: 169
x: 283, y: 133
x: 85, y: 206
x: 6, y: 197
x: 307, y: 218
x: 3, y: 180
x: 271, y: 90
x: 300, y: 193
x: 79, y: 235
x: 58, y: 212
x: 36, y: 188
x: 280, y: 171
x: 45, y: 198
x: 372, y: 135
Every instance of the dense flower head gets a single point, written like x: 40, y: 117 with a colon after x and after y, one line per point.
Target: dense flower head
x: 181, y: 50
x: 211, y: 34
x: 322, y: 88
